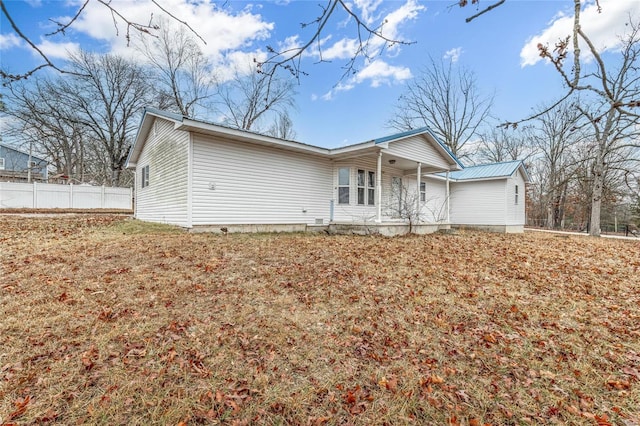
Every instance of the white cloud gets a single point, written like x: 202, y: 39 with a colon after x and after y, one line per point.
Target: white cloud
x: 604, y: 29
x: 379, y: 72
x: 222, y: 30
x: 54, y: 50
x: 7, y: 41
x: 342, y: 49
x: 453, y: 54
x: 376, y: 74
x: 367, y: 9
x: 407, y: 12
x: 346, y: 47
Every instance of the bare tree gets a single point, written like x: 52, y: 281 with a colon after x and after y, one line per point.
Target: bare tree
x: 445, y: 99
x: 45, y: 123
x: 410, y: 203
x: 556, y: 136
x: 282, y: 127
x: 498, y: 144
x: 247, y: 99
x: 106, y: 94
x: 183, y: 76
x: 612, y: 112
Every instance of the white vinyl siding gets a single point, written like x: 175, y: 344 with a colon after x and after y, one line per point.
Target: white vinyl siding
x: 239, y: 183
x: 479, y: 202
x: 515, y: 212
x: 165, y: 154
x: 435, y: 205
x: 418, y: 148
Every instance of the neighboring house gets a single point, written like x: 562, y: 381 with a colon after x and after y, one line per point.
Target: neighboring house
x: 201, y: 175
x: 14, y: 166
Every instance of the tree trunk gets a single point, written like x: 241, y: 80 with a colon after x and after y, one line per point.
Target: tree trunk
x: 596, y: 198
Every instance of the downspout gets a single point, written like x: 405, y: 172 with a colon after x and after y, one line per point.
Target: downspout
x: 418, y: 178
x: 190, y: 182
x: 379, y: 187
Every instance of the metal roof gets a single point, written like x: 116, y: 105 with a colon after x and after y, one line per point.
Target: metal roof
x: 489, y: 171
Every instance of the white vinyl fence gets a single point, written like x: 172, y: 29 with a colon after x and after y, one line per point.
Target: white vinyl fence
x: 51, y: 196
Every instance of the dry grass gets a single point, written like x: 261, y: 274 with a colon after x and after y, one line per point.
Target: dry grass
x: 109, y: 321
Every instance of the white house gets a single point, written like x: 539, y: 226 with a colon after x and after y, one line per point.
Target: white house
x: 204, y: 176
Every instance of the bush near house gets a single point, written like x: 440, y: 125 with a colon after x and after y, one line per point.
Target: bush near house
x: 106, y: 320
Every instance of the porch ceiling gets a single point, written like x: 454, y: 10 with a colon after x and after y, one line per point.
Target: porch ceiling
x: 407, y: 166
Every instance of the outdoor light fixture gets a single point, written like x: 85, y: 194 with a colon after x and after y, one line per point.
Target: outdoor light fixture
x: 392, y: 161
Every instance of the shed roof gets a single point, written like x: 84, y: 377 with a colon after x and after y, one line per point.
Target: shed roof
x: 489, y: 171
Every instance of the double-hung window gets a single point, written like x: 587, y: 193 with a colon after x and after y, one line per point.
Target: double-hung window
x: 366, y: 188
x: 343, y: 185
x: 145, y: 177
x: 423, y: 191
x: 516, y: 194
x: 371, y: 188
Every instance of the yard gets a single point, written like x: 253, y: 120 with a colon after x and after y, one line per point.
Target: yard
x: 105, y: 320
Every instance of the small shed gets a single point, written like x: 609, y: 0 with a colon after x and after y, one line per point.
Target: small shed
x: 490, y: 196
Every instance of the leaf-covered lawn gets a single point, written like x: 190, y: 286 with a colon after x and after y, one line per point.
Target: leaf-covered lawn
x: 109, y: 321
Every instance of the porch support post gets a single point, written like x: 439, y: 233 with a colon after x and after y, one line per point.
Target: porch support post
x: 447, y: 194
x: 379, y: 187
x: 418, y: 179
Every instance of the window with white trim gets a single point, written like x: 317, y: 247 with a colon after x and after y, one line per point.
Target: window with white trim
x: 1, y: 163
x: 371, y: 188
x: 516, y: 194
x: 366, y: 187
x: 423, y: 191
x: 144, y: 182
x: 344, y: 183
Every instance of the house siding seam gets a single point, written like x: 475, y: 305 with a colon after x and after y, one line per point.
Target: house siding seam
x: 417, y: 148
x: 166, y: 152
x: 235, y: 183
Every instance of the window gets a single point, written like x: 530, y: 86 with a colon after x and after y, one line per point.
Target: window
x: 145, y: 177
x: 366, y: 188
x: 343, y: 185
x: 371, y: 189
x: 516, y: 194
x: 423, y: 191
x: 361, y: 187
x: 1, y: 163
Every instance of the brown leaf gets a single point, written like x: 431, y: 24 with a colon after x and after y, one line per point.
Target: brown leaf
x: 20, y: 407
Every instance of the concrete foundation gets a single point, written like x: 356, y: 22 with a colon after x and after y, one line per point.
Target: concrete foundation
x: 386, y: 229
x: 501, y: 229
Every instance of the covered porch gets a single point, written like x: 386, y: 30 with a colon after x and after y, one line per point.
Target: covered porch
x: 390, y: 184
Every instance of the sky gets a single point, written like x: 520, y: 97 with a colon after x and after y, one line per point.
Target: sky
x: 332, y: 109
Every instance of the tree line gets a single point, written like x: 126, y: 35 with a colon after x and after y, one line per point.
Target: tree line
x: 85, y: 119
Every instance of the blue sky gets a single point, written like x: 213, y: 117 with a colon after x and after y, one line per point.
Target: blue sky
x: 499, y: 47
